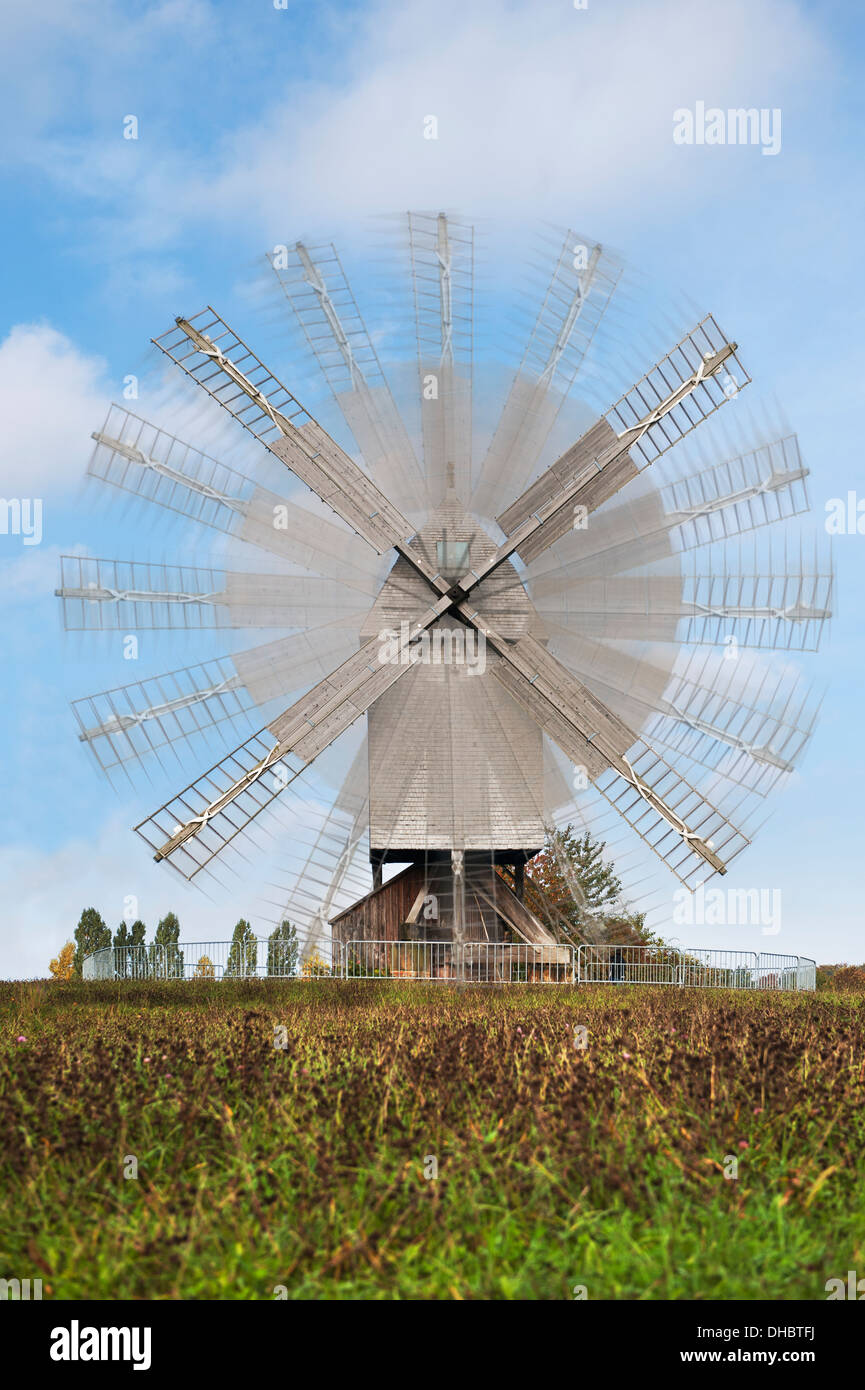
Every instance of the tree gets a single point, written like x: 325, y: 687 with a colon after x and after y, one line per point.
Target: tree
x: 121, y: 955
x: 204, y: 969
x: 137, y: 953
x: 91, y: 935
x: 563, y: 850
x: 571, y: 876
x: 243, y: 955
x: 166, y: 959
x: 282, y: 950
x: 62, y: 966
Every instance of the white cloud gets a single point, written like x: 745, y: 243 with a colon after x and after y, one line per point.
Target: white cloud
x: 540, y: 107
x: 52, y: 396
x: 535, y: 105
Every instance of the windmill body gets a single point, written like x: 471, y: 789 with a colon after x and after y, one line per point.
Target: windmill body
x: 455, y: 763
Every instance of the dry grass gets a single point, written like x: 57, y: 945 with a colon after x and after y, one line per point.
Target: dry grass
x: 304, y: 1167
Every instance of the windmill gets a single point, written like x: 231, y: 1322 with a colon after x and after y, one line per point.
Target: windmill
x: 496, y: 626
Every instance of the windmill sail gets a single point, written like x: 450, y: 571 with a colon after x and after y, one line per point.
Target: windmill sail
x: 327, y: 871
x: 289, y: 743
x: 220, y: 362
x: 682, y: 390
x: 124, y: 725
x: 141, y: 459
x: 129, y: 595
x: 668, y: 813
x: 710, y: 709
x: 770, y: 604
x: 315, y: 285
x: 442, y: 262
x: 576, y: 299
x: 747, y: 493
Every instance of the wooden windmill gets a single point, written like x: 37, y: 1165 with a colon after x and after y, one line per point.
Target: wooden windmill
x: 481, y: 642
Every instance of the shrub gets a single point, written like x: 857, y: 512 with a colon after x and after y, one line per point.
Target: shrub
x: 63, y: 965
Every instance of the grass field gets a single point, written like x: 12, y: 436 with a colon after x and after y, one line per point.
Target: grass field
x: 303, y: 1166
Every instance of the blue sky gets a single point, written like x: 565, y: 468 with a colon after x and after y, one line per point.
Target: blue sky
x: 260, y: 125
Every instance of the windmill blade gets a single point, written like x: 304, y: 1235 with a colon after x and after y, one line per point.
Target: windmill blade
x: 771, y: 600
x: 565, y: 806
x: 742, y: 494
x: 770, y: 609
x: 195, y: 826
x: 127, y: 723
x: 141, y: 459
x: 442, y: 262
x: 127, y: 595
x: 315, y: 285
x: 628, y: 535
x: 749, y: 746
x: 220, y: 362
x: 666, y: 811
x: 648, y: 607
x: 574, y: 304
x: 274, y: 669
x: 680, y: 392
x: 275, y: 600
x: 737, y: 720
x: 130, y: 595
x: 754, y: 489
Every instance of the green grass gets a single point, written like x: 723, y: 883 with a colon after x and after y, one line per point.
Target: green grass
x: 304, y: 1167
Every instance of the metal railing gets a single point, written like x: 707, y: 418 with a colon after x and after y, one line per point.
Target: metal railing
x: 476, y: 962
x: 696, y: 967
x: 480, y: 962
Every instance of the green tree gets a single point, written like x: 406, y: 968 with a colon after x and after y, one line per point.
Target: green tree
x: 91, y: 934
x: 282, y: 950
x: 166, y: 958
x: 572, y: 883
x: 137, y: 955
x: 243, y: 955
x: 121, y: 956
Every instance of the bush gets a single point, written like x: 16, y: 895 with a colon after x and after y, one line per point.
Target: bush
x: 63, y: 965
x: 846, y: 977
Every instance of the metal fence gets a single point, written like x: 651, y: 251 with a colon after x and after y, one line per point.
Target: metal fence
x: 476, y: 962
x: 480, y: 962
x: 696, y: 967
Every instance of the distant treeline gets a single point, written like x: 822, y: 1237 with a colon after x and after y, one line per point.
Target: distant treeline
x: 841, y: 976
x: 163, y: 956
